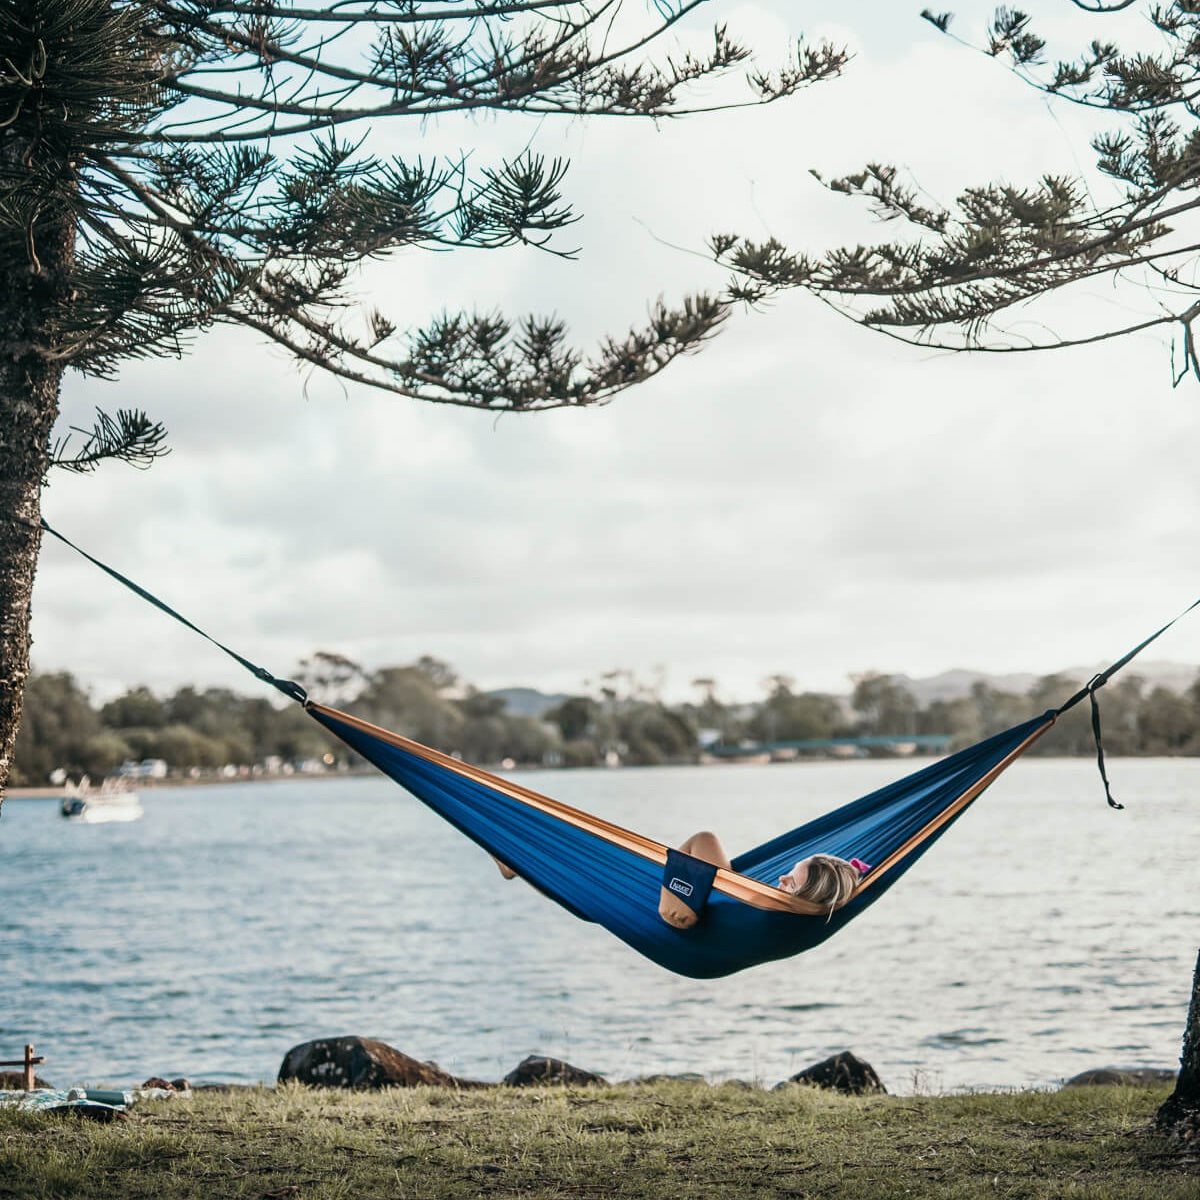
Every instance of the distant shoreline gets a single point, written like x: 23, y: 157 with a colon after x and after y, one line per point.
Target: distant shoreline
x: 154, y: 785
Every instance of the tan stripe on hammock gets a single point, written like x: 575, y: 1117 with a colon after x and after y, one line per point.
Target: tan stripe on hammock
x: 730, y: 883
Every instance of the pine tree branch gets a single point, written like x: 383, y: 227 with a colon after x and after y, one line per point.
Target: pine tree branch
x: 186, y: 215
x: 128, y: 436
x: 558, y: 76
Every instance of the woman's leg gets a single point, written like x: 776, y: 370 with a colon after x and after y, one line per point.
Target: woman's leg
x: 707, y: 846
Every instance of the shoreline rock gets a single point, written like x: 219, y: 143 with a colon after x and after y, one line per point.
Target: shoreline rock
x: 356, y: 1062
x: 368, y: 1063
x: 843, y: 1072
x: 539, y: 1071
x: 14, y: 1081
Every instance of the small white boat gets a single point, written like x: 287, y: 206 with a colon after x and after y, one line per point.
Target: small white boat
x: 113, y: 800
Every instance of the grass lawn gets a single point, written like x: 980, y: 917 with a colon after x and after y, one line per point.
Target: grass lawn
x: 665, y: 1140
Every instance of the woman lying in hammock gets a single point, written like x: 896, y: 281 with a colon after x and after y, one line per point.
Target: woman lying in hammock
x: 822, y: 879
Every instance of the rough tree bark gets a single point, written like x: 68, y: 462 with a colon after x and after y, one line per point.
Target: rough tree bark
x: 28, y: 406
x: 30, y: 379
x: 1181, y: 1112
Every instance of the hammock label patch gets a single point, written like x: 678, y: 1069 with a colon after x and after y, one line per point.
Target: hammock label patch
x: 691, y: 879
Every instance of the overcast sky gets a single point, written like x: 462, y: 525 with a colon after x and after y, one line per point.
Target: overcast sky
x: 803, y: 496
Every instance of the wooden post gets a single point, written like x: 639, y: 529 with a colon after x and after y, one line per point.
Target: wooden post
x: 28, y: 1063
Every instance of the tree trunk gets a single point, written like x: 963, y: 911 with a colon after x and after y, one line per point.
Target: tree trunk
x: 38, y: 169
x: 1181, y: 1113
x: 29, y: 387
x: 27, y: 412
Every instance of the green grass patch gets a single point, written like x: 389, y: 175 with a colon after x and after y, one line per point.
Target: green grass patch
x: 667, y: 1140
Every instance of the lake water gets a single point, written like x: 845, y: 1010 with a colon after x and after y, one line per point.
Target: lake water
x: 1044, y: 935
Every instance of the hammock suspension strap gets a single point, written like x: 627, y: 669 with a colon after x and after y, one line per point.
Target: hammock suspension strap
x: 1098, y: 681
x: 288, y: 687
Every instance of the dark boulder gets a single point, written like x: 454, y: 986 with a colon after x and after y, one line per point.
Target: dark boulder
x: 538, y: 1071
x: 354, y: 1062
x: 1125, y: 1076
x: 843, y: 1072
x: 14, y: 1081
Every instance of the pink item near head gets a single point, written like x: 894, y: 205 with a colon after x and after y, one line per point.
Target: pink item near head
x: 862, y: 866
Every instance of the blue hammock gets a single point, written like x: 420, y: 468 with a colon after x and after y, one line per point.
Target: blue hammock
x: 613, y: 876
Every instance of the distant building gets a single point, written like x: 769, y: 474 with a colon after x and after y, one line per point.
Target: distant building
x: 148, y: 768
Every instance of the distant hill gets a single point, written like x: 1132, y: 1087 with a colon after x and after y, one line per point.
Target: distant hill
x: 527, y: 702
x: 950, y: 685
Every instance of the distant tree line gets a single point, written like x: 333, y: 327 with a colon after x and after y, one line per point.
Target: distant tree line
x: 1136, y: 719
x: 192, y: 731
x: 615, y: 719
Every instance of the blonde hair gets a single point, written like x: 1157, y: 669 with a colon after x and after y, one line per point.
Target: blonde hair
x: 830, y: 881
